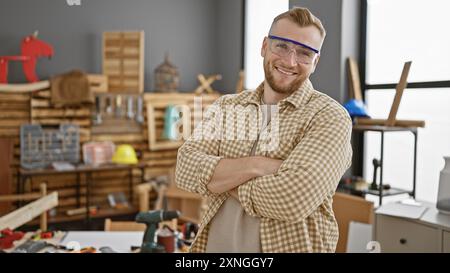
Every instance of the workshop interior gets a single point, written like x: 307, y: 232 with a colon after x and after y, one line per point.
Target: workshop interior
x: 96, y: 98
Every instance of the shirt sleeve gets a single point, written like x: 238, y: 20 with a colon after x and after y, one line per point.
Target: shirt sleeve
x: 198, y: 157
x: 310, y: 173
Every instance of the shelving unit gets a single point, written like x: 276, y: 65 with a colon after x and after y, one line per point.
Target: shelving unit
x: 382, y: 130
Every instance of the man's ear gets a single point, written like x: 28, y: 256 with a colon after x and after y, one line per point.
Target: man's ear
x: 264, y: 47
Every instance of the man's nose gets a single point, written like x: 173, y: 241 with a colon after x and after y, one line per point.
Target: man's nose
x: 292, y: 58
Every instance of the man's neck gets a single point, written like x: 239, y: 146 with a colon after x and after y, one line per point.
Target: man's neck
x: 272, y: 97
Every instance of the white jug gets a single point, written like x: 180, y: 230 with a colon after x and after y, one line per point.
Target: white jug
x: 443, y: 203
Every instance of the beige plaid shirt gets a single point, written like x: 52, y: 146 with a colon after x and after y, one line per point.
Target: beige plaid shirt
x: 295, y: 204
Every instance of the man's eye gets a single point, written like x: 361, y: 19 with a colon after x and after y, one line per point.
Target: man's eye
x: 282, y: 46
x: 305, y: 53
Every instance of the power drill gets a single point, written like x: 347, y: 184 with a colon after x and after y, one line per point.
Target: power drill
x: 152, y: 219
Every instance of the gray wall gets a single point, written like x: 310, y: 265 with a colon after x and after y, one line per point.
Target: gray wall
x: 229, y: 43
x: 186, y: 29
x: 341, y: 20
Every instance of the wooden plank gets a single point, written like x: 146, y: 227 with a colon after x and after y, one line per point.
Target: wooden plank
x: 43, y: 218
x: 122, y: 57
x: 20, y: 106
x: 24, y: 87
x: 398, y: 94
x: 382, y: 122
x: 4, y: 123
x: 117, y: 126
x: 14, y: 97
x: 98, y: 83
x: 54, y: 121
x: 60, y: 113
x: 152, y: 97
x: 20, y: 197
x: 147, y: 155
x: 27, y: 213
x: 36, y: 102
x: 14, y: 114
x: 162, y: 162
x: 119, y: 138
x: 9, y: 132
x: 6, y: 156
x: 349, y: 208
x: 354, y: 79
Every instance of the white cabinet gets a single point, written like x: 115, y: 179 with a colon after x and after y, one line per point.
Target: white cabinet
x: 446, y: 242
x: 399, y: 235
x: 429, y: 233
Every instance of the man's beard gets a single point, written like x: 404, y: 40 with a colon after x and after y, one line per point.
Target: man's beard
x: 289, y: 89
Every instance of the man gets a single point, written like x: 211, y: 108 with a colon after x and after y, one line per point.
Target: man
x: 271, y: 194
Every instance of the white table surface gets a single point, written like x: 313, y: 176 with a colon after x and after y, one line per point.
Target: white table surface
x: 119, y: 241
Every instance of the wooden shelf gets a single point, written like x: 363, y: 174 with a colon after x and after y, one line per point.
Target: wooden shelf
x: 378, y: 128
x: 102, y: 213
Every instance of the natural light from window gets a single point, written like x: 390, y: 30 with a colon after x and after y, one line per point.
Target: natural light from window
x: 399, y: 31
x: 258, y: 18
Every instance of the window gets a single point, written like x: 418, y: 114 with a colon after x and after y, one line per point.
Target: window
x: 400, y: 31
x: 259, y: 15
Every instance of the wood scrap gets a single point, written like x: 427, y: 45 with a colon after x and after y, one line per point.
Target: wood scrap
x: 205, y: 83
x: 398, y: 94
x: 27, y: 213
x: 24, y: 87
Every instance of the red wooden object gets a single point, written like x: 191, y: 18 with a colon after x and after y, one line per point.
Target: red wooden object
x: 32, y: 49
x: 7, y: 237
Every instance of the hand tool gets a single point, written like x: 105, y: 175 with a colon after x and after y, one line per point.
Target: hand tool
x: 130, y: 112
x: 98, y: 115
x: 118, y: 105
x: 140, y: 109
x: 152, y: 219
x: 108, y: 109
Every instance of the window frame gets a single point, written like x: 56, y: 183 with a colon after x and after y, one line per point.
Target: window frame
x: 358, y: 168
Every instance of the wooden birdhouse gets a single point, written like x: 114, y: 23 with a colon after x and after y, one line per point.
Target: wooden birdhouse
x: 167, y: 78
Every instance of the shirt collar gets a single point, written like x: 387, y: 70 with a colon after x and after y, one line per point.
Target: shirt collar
x: 296, y: 99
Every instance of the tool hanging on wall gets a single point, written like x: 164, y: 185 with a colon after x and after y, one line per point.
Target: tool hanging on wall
x: 108, y: 109
x: 98, y: 114
x: 118, y: 105
x: 130, y: 112
x: 140, y: 109
x: 120, y: 115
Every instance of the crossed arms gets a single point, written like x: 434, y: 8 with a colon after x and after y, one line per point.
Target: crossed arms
x: 288, y: 190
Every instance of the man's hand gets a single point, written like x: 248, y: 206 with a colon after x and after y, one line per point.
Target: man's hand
x: 231, y: 173
x: 266, y: 165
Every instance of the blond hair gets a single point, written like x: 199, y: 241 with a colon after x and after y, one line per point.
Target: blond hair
x: 302, y: 17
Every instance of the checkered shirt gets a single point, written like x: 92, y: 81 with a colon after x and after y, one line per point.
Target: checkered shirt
x: 294, y: 204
